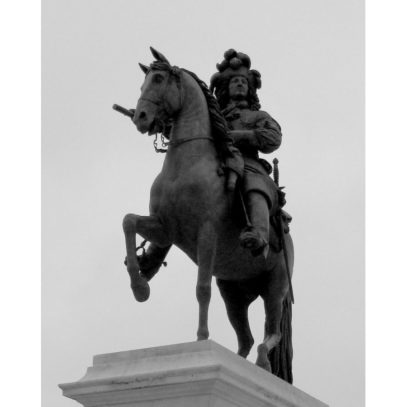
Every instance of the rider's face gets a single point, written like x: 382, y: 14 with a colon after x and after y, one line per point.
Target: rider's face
x: 238, y: 88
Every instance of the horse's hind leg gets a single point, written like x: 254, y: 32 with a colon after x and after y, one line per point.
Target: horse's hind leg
x: 273, y: 297
x: 237, y: 301
x: 150, y: 228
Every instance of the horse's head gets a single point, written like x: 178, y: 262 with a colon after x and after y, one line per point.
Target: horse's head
x: 161, y: 96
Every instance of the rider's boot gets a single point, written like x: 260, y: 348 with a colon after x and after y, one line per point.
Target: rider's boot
x: 151, y: 260
x: 256, y: 236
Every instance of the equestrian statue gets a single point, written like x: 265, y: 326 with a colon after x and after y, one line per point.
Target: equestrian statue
x: 215, y: 199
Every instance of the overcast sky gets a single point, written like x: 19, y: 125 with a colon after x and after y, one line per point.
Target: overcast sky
x: 97, y: 167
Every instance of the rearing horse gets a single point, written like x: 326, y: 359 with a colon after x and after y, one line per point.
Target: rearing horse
x: 191, y: 208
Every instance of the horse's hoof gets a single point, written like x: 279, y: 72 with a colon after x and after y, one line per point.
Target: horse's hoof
x: 244, y: 352
x: 202, y: 338
x: 202, y: 335
x: 141, y: 290
x: 262, y: 358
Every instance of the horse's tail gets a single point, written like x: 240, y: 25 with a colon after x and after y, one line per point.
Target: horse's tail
x: 281, y: 356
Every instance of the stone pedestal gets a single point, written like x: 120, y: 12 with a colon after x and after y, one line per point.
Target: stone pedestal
x: 194, y: 374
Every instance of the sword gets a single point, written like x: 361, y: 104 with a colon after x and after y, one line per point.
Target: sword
x: 276, y: 174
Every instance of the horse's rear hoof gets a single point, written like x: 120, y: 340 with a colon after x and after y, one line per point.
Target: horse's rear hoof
x: 141, y: 290
x: 262, y: 358
x: 202, y: 334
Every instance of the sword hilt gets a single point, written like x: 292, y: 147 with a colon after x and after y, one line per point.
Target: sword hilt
x: 276, y: 172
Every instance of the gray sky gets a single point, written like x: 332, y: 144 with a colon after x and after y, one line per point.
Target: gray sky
x: 97, y: 168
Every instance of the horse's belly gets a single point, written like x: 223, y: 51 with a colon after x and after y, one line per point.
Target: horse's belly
x: 240, y: 265
x: 233, y: 262
x: 183, y: 206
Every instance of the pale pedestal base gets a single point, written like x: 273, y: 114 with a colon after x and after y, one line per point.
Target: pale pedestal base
x: 195, y: 374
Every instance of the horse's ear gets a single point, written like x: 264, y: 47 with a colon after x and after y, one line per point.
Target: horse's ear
x: 158, y: 56
x: 144, y: 68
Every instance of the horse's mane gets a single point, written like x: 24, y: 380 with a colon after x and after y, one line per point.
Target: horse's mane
x: 218, y: 122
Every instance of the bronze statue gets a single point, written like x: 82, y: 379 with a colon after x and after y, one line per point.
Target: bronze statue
x: 191, y: 207
x: 251, y: 131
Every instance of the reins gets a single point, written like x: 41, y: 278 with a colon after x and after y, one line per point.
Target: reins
x: 175, y: 143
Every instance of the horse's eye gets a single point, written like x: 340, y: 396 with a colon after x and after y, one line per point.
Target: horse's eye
x: 157, y: 78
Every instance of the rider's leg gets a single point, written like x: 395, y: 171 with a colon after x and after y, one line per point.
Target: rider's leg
x: 259, y: 214
x: 256, y: 237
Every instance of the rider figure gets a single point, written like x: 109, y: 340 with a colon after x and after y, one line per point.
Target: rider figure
x: 251, y: 130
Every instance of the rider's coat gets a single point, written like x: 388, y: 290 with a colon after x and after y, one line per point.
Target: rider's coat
x: 266, y: 138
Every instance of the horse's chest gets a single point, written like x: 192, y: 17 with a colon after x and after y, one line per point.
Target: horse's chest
x: 179, y: 203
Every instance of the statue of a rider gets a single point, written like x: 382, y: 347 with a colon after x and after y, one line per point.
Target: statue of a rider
x: 251, y: 131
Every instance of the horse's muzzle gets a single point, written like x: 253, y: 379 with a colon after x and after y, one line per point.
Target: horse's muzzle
x: 144, y: 117
x: 140, y: 119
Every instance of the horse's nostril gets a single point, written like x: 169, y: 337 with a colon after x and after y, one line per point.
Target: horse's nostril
x: 142, y: 115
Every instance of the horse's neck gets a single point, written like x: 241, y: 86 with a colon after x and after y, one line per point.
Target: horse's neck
x: 193, y: 121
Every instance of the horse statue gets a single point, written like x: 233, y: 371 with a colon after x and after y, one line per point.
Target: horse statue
x: 191, y: 208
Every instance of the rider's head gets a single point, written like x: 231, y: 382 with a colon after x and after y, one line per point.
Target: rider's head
x: 238, y: 88
x: 236, y: 81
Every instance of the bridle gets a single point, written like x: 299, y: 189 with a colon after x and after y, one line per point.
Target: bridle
x: 173, y: 71
x: 175, y: 143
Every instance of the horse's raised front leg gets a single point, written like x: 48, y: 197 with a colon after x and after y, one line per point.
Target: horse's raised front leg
x: 150, y: 228
x: 152, y: 260
x: 206, y: 257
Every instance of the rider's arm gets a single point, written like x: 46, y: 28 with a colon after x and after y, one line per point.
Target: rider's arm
x: 265, y: 137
